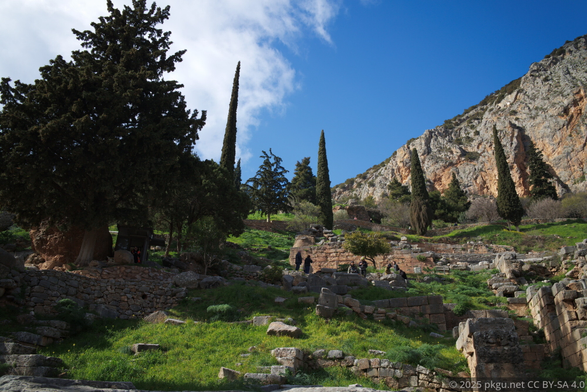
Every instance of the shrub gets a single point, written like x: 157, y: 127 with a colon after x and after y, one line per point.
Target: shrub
x: 305, y: 214
x: 575, y: 205
x: 341, y: 215
x: 545, y: 209
x: 222, y: 312
x: 69, y: 311
x: 395, y: 214
x: 483, y: 210
x: 272, y: 274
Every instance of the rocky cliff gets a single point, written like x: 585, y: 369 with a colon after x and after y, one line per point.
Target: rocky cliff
x: 546, y: 106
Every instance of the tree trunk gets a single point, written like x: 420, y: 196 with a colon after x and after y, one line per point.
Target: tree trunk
x: 179, y: 237
x: 169, y: 240
x: 268, y: 218
x: 90, y: 243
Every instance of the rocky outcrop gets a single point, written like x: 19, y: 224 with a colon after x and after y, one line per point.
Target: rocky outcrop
x: 546, y: 106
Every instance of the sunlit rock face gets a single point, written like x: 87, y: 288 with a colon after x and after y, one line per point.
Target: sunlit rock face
x: 546, y: 106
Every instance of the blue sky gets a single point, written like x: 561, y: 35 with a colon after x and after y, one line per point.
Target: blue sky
x: 372, y: 74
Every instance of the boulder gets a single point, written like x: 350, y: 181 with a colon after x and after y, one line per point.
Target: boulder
x: 304, y: 240
x: 122, y: 256
x: 210, y: 282
x: 8, y: 260
x: 157, y: 317
x: 277, y: 328
x: 189, y: 280
x: 140, y: 347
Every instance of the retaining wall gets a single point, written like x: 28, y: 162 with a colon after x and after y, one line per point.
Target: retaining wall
x: 121, y: 291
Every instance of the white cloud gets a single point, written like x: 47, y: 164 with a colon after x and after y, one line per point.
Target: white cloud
x: 216, y: 33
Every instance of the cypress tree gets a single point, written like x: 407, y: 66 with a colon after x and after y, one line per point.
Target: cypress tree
x: 420, y: 214
x: 238, y: 175
x: 227, y: 158
x: 540, y: 176
x: 509, y: 206
x: 323, y: 191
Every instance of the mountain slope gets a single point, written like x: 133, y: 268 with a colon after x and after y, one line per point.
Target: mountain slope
x: 547, y: 106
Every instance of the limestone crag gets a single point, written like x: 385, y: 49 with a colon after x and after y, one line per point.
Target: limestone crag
x: 546, y: 106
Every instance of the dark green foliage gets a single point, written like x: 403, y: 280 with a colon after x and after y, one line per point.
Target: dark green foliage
x: 238, y: 175
x: 418, y: 181
x: 207, y: 190
x: 509, y: 206
x: 539, y: 177
x: 95, y: 139
x: 229, y: 146
x: 455, y: 200
x: 303, y: 184
x: 420, y: 216
x: 323, y: 191
x: 269, y: 189
x: 398, y: 192
x: 69, y: 311
x: 223, y: 312
x: 369, y: 245
x: 272, y: 274
x: 420, y: 210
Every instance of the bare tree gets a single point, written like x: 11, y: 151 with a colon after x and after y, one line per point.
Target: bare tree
x: 483, y: 210
x: 546, y: 209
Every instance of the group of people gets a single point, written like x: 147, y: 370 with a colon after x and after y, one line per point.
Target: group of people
x: 361, y: 269
x: 307, y: 262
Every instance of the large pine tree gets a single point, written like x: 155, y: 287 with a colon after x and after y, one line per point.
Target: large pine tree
x: 323, y: 191
x: 227, y: 159
x: 303, y: 183
x: 94, y: 140
x: 269, y: 189
x: 508, y: 202
x: 420, y: 211
x: 540, y: 185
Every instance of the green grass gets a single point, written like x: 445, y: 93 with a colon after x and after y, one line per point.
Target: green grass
x: 260, y: 243
x: 194, y: 352
x: 274, y: 217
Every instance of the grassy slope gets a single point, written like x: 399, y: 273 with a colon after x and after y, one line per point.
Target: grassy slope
x: 194, y: 352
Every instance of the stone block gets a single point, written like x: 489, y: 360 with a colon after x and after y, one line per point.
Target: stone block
x: 229, y: 374
x: 325, y: 311
x: 435, y: 299
x: 335, y: 354
x: 262, y: 320
x: 438, y: 318
x: 288, y: 352
x: 398, y: 302
x: 306, y: 300
x: 140, y: 347
x: 277, y: 328
x: 417, y: 301
x: 375, y: 362
x: 381, y: 303
x: 363, y: 364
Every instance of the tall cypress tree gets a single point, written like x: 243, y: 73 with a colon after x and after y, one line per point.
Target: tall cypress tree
x: 540, y: 176
x: 509, y: 206
x: 227, y: 159
x: 323, y: 191
x: 238, y: 175
x: 420, y: 212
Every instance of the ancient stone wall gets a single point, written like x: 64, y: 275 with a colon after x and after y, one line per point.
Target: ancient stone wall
x: 123, y: 291
x: 331, y: 255
x: 561, y: 311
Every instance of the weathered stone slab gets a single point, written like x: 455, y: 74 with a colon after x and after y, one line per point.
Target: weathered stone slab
x: 229, y: 374
x: 277, y: 328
